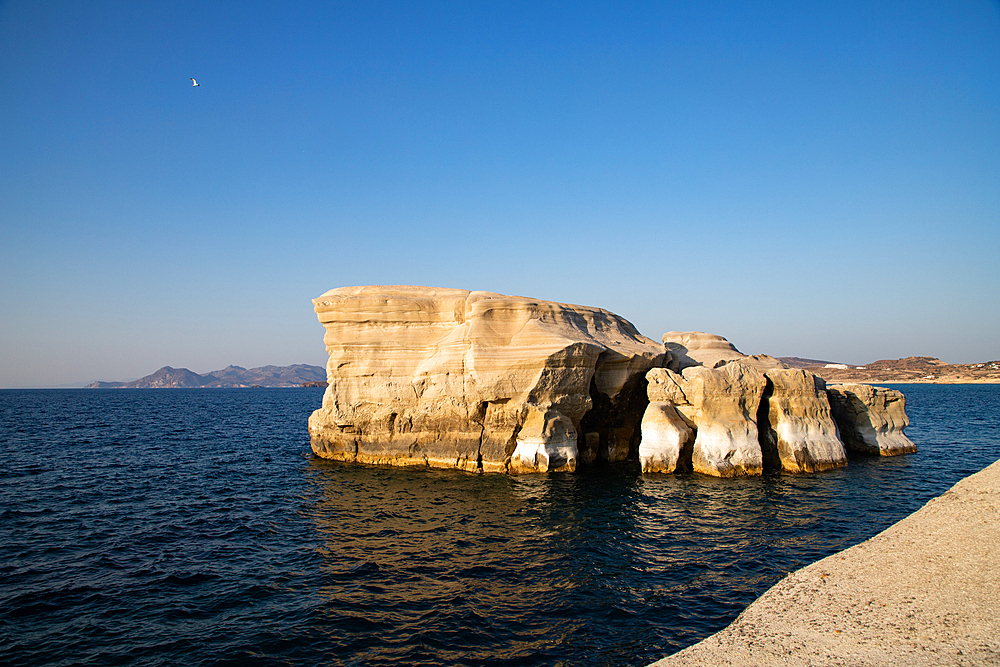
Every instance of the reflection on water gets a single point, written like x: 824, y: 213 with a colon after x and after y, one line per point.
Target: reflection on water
x: 458, y: 568
x: 454, y: 568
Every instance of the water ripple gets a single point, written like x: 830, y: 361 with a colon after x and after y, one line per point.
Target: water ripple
x: 194, y: 527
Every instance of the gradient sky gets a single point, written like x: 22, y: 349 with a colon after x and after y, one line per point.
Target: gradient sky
x: 808, y: 179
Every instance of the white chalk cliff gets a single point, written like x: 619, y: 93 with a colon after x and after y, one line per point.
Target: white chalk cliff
x: 477, y: 380
x: 493, y: 383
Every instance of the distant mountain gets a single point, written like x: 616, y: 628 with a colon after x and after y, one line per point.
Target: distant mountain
x: 230, y: 376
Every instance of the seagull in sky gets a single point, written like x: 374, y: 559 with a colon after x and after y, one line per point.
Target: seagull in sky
x: 194, y: 83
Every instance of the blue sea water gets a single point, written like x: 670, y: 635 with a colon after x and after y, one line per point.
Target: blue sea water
x: 194, y: 527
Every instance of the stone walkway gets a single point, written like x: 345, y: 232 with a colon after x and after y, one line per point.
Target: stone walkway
x: 926, y: 591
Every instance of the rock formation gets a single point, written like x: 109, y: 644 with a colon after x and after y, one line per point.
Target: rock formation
x: 486, y: 382
x: 667, y: 439
x: 734, y: 415
x: 697, y: 348
x: 798, y: 433
x: 477, y: 380
x: 871, y: 419
x: 719, y: 405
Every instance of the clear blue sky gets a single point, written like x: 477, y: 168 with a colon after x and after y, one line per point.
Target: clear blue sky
x: 808, y: 179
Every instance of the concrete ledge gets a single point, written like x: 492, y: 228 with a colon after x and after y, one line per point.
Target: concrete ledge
x: 926, y: 591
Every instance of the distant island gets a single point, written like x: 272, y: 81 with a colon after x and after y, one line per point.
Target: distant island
x: 929, y: 370
x: 297, y: 375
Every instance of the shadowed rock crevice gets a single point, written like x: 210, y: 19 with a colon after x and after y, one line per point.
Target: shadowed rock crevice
x: 610, y: 430
x: 766, y: 435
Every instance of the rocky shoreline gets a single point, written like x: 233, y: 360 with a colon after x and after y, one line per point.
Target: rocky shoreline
x: 923, y: 592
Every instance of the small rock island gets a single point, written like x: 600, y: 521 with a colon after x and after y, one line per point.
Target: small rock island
x: 491, y: 383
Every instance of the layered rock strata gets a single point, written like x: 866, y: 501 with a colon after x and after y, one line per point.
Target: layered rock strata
x: 871, y: 419
x: 735, y: 415
x: 486, y: 382
x: 477, y: 380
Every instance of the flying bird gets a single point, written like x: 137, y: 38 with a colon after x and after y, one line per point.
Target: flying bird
x: 194, y: 83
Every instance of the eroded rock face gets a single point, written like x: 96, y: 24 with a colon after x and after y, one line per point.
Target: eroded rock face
x: 736, y: 420
x: 477, y: 380
x: 719, y: 405
x: 871, y: 419
x: 667, y: 439
x: 486, y: 382
x: 697, y: 348
x: 797, y: 431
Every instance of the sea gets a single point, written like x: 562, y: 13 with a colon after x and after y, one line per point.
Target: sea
x: 195, y: 527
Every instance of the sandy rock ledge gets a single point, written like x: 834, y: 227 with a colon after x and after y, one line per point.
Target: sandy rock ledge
x: 926, y: 591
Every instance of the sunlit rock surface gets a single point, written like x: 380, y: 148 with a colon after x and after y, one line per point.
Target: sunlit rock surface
x: 736, y: 420
x: 667, y: 439
x: 871, y: 419
x: 720, y: 407
x: 735, y: 428
x: 797, y: 431
x: 477, y: 380
x: 486, y: 382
